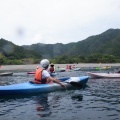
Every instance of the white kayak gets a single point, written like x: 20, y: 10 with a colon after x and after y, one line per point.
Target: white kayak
x: 6, y: 73
x: 77, y: 69
x: 103, y: 75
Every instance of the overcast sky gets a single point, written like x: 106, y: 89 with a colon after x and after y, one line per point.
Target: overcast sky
x: 26, y: 22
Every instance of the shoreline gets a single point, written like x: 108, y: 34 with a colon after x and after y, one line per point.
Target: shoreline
x: 30, y: 67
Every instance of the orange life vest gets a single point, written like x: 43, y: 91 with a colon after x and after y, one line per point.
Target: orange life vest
x: 38, y: 77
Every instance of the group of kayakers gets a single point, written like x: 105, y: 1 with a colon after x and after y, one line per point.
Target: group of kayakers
x: 69, y: 67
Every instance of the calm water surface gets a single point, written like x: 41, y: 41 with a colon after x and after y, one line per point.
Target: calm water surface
x: 100, y: 100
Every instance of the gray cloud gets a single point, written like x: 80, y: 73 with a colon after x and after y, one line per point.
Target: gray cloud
x: 54, y: 21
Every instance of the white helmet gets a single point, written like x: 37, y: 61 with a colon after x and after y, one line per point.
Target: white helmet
x: 44, y: 63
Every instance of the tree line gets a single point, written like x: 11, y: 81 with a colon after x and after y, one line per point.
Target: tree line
x: 95, y: 58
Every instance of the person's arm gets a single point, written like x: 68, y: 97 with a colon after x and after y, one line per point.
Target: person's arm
x: 56, y: 81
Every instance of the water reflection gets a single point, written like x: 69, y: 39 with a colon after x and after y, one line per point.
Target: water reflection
x: 42, y: 105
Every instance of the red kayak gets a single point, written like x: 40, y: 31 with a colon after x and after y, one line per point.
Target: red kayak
x: 30, y: 72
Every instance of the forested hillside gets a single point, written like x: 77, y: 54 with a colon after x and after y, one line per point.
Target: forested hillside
x: 104, y: 47
x: 105, y: 43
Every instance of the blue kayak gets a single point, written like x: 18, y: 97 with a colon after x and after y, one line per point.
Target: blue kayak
x: 32, y: 88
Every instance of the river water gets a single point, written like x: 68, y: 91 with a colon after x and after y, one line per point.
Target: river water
x: 99, y: 100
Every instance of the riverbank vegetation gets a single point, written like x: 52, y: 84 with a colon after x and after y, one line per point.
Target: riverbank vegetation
x: 96, y: 58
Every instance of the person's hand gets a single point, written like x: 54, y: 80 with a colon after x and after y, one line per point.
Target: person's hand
x: 63, y: 86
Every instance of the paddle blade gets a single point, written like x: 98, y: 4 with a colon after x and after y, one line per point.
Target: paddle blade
x: 76, y: 84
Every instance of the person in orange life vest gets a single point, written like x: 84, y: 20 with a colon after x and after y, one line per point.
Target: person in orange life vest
x: 42, y: 76
x: 52, y: 68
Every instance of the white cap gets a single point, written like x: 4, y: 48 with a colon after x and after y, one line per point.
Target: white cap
x: 44, y: 63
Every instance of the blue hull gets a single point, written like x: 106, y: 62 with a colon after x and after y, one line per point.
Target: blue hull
x: 30, y: 88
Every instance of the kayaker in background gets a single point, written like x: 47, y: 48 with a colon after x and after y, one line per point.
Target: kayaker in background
x: 68, y: 67
x: 52, y: 68
x: 73, y: 66
x: 42, y: 76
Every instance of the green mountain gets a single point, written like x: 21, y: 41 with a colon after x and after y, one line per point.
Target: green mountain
x: 12, y: 51
x: 106, y: 43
